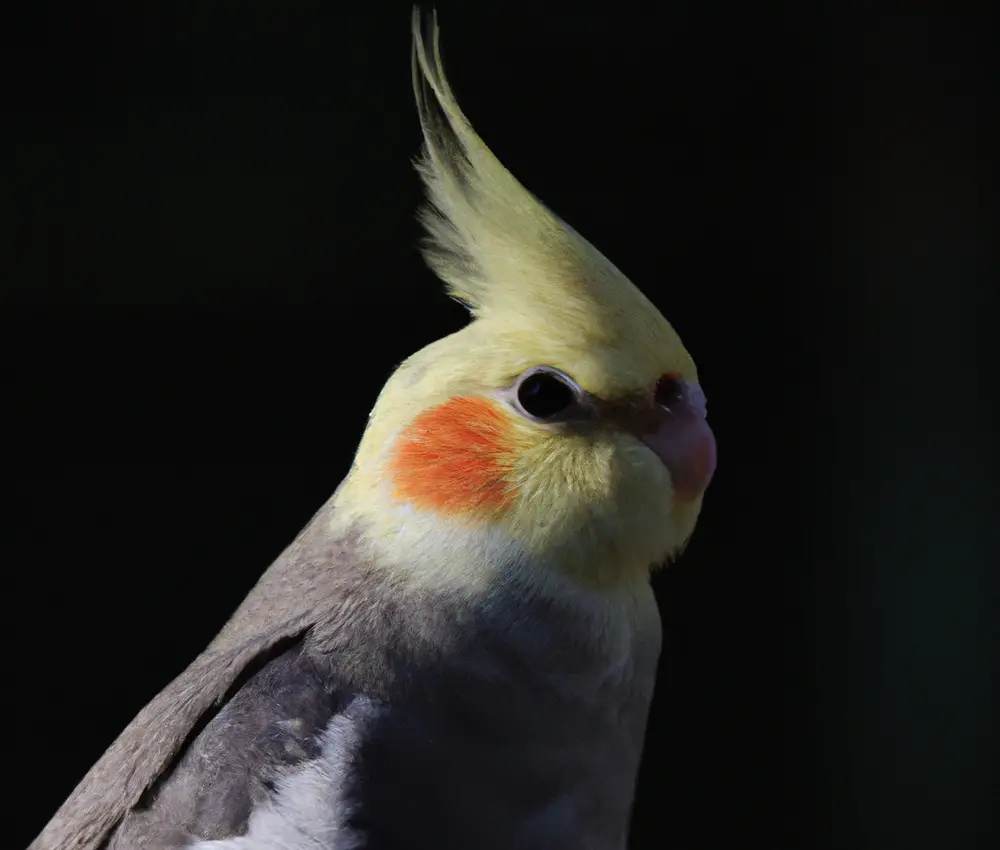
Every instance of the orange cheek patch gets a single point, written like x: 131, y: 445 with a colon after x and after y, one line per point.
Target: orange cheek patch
x: 455, y: 458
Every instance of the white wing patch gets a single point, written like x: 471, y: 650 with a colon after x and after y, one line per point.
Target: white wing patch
x: 310, y: 809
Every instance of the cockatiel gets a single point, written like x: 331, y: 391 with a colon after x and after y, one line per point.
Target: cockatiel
x: 459, y: 650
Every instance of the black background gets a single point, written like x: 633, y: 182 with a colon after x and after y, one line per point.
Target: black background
x: 208, y: 270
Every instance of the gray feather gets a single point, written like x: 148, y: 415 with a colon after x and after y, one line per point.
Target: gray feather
x: 399, y: 717
x: 294, y: 595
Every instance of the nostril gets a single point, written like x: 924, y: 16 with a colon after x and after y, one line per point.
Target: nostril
x: 669, y: 391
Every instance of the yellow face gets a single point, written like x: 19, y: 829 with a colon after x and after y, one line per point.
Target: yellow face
x: 545, y: 445
x: 566, y: 419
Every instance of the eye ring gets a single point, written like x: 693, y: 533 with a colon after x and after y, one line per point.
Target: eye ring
x: 669, y: 391
x: 546, y: 394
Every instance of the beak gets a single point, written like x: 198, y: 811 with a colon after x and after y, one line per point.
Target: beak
x: 680, y: 436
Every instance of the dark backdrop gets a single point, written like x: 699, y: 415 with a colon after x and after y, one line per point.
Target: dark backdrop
x: 208, y: 269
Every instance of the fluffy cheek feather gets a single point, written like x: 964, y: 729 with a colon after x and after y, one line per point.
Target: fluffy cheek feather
x: 455, y: 459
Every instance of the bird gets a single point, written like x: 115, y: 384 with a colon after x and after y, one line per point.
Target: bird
x: 459, y: 650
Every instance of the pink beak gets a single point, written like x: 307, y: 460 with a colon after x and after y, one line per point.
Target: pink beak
x: 683, y: 440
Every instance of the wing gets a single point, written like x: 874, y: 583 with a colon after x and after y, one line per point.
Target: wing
x: 293, y: 596
x: 272, y: 735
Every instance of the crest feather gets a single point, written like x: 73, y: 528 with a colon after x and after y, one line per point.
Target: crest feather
x: 495, y: 245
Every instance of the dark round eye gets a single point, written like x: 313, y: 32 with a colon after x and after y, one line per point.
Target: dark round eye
x: 668, y: 391
x: 544, y: 395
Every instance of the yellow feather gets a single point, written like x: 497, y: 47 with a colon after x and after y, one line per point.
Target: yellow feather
x: 514, y: 262
x: 598, y: 507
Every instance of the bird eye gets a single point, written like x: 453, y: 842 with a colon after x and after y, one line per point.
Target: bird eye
x: 545, y: 394
x: 668, y: 391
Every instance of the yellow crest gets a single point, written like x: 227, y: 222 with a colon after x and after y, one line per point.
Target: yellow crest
x: 509, y: 258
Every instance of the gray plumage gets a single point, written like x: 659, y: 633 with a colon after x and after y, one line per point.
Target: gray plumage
x: 501, y: 725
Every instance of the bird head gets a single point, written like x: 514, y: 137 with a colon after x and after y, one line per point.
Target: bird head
x: 565, y: 425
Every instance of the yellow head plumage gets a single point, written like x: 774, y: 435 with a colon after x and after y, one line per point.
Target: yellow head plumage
x: 454, y: 463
